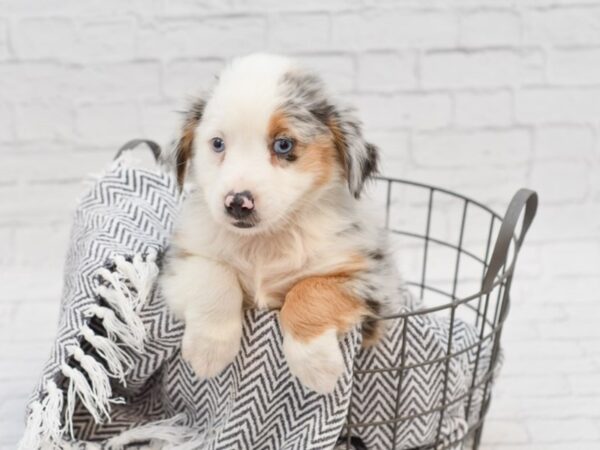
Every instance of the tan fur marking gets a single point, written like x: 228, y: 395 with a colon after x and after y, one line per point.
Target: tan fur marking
x: 184, y: 152
x: 339, y: 141
x: 319, y: 156
x: 278, y: 124
x: 316, y: 304
x: 185, y: 145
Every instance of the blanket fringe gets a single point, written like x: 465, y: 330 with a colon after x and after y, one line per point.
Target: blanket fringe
x: 116, y: 329
x: 124, y: 290
x: 141, y: 273
x: 43, y: 422
x: 78, y: 388
x: 170, y: 434
x: 118, y: 362
x: 118, y: 297
x: 167, y: 434
x: 32, y: 437
x: 95, y: 394
x: 53, y: 405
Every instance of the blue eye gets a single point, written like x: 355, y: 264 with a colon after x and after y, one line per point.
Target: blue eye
x: 283, y: 146
x: 218, y: 145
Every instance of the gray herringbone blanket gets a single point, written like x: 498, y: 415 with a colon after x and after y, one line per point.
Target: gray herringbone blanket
x: 116, y: 377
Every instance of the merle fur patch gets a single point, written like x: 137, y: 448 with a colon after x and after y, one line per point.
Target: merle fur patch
x: 308, y: 105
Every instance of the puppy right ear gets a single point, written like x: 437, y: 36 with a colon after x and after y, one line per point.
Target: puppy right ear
x: 184, y: 148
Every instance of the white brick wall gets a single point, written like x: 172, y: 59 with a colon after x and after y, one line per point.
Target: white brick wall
x: 482, y: 96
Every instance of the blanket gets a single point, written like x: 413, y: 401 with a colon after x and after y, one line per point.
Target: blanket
x: 116, y: 379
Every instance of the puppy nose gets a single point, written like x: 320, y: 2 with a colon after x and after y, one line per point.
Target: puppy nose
x: 239, y: 204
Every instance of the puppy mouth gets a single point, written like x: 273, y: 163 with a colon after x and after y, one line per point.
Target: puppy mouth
x: 243, y: 224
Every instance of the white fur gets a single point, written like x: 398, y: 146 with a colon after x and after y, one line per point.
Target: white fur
x: 209, y: 298
x: 239, y: 111
x: 317, y: 363
x: 301, y: 231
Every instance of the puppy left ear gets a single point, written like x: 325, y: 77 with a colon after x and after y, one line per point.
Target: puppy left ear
x: 184, y: 147
x: 360, y: 158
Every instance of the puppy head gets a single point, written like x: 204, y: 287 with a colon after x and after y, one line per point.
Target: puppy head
x: 268, y: 141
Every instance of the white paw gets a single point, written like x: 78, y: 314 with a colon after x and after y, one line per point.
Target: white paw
x: 318, y: 364
x: 209, y: 355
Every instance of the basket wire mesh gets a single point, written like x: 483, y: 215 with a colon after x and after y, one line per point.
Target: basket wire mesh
x: 489, y: 246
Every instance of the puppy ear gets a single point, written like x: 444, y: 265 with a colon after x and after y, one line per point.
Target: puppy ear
x: 359, y: 158
x: 184, y: 147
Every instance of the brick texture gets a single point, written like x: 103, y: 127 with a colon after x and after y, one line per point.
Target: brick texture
x: 480, y: 96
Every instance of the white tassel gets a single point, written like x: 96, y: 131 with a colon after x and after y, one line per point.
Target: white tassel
x: 120, y: 302
x: 117, y: 294
x: 168, y: 433
x: 115, y: 328
x: 98, y: 377
x: 122, y: 323
x: 78, y: 387
x: 43, y: 423
x: 118, y: 362
x: 148, y: 272
x: 53, y: 404
x: 125, y: 269
x: 140, y: 273
x: 32, y: 437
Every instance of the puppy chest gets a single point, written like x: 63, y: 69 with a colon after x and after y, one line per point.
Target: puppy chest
x: 266, y: 274
x: 264, y: 288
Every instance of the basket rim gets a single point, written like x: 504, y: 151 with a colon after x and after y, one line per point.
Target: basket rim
x: 439, y: 189
x: 482, y: 292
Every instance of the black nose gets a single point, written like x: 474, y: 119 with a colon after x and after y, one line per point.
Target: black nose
x: 239, y: 204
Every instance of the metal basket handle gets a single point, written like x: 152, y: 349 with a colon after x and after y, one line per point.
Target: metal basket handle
x: 130, y: 145
x: 523, y: 199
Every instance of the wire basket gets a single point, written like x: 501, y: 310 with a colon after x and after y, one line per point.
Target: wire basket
x: 459, y: 255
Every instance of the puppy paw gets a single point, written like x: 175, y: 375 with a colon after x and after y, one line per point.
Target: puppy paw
x: 207, y: 355
x: 318, y: 363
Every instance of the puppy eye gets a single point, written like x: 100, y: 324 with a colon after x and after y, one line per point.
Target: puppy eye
x: 218, y: 145
x: 283, y: 146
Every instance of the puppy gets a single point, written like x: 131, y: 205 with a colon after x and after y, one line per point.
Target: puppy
x: 273, y: 220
